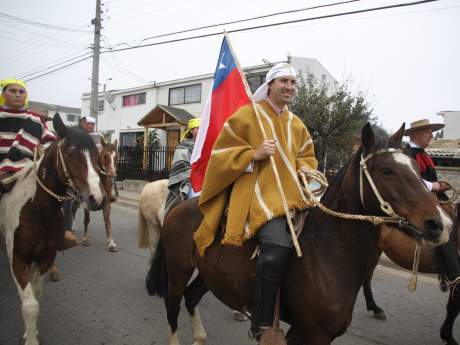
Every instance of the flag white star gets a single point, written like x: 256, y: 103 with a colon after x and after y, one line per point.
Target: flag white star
x: 221, y: 65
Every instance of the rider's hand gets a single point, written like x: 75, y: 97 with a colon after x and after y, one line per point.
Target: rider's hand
x: 438, y: 187
x: 265, y: 150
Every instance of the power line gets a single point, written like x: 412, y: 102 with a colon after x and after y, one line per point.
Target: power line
x: 43, y: 68
x: 341, y: 14
x: 243, y: 20
x: 44, y: 36
x: 60, y: 68
x: 43, y: 25
x: 247, y: 29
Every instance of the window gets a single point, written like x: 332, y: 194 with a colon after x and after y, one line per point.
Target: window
x: 185, y: 94
x: 73, y: 117
x: 255, y: 81
x: 138, y: 98
x: 100, y: 105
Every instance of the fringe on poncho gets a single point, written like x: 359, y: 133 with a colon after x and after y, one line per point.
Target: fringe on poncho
x: 250, y: 187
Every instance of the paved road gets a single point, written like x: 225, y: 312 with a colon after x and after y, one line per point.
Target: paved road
x: 101, y: 300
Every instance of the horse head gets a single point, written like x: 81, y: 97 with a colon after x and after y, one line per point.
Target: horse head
x: 77, y: 163
x: 108, y: 158
x: 390, y: 183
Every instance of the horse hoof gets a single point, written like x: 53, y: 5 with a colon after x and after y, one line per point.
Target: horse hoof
x: 54, y: 276
x: 380, y: 316
x: 238, y: 316
x: 86, y: 242
x: 113, y: 249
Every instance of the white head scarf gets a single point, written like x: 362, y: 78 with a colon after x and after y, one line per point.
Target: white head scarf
x: 281, y: 69
x: 90, y: 119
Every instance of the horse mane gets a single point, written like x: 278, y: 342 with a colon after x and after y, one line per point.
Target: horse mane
x: 79, y: 139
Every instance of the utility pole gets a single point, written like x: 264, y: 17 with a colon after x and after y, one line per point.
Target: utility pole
x: 93, y: 106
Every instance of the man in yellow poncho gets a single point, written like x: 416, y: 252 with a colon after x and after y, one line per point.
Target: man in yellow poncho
x: 239, y: 174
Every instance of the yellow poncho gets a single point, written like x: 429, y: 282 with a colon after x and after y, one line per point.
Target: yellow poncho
x: 254, y: 197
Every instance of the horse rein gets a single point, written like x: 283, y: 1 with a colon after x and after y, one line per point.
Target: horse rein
x: 393, y: 217
x: 385, y: 206
x: 69, y: 182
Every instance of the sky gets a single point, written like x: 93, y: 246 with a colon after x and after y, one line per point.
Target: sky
x: 406, y: 61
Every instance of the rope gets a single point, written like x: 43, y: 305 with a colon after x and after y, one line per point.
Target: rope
x: 59, y: 198
x: 413, y: 279
x: 312, y: 202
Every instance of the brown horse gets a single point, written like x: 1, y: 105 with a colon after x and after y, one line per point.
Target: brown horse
x: 400, y: 249
x: 320, y: 288
x: 108, y: 158
x: 31, y: 216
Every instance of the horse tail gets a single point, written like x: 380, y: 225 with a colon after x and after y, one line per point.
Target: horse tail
x: 143, y: 233
x: 156, y: 281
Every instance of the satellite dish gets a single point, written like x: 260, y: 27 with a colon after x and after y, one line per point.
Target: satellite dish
x: 109, y: 97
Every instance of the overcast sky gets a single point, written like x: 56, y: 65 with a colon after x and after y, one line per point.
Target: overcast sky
x: 406, y: 60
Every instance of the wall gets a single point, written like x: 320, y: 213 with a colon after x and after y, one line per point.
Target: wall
x: 451, y: 175
x: 452, y: 122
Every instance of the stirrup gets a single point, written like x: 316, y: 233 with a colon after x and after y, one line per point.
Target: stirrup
x: 453, y: 284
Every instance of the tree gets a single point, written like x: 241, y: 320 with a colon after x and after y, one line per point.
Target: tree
x: 334, y: 117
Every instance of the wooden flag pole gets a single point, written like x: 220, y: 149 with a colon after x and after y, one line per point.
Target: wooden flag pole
x: 272, y: 160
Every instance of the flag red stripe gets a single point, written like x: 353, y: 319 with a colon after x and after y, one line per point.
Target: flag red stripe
x: 226, y: 99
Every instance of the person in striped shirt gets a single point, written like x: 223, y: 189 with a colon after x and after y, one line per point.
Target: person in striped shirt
x: 20, y: 131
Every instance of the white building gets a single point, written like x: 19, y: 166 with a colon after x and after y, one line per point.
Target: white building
x: 69, y: 115
x: 452, y: 122
x: 121, y: 110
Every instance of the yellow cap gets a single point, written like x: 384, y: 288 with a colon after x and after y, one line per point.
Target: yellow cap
x: 193, y: 123
x: 5, y: 82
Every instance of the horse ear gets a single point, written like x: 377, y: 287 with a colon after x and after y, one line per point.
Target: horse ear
x: 59, y: 126
x: 397, y: 136
x: 115, y: 143
x: 103, y: 142
x: 367, y: 137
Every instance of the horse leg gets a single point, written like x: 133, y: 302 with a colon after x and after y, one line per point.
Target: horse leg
x: 177, y: 284
x: 453, y: 308
x: 193, y: 294
x: 112, y: 246
x: 377, y: 312
x: 22, y: 274
x: 53, y: 273
x: 85, y: 240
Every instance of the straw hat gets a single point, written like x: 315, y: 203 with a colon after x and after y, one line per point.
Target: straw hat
x: 423, y: 124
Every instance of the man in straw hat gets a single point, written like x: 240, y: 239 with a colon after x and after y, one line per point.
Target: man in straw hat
x: 179, y: 185
x: 421, y: 134
x: 20, y: 132
x: 240, y: 175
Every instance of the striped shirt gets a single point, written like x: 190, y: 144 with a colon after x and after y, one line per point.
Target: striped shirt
x: 20, y: 132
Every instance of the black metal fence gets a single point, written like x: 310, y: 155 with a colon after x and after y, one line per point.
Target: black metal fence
x: 131, y: 162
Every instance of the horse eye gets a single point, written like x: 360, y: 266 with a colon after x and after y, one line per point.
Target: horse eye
x: 387, y: 171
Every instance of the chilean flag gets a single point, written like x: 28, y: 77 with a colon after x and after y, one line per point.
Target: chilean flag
x: 227, y: 95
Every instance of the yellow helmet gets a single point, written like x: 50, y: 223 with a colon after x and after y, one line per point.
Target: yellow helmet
x: 193, y: 123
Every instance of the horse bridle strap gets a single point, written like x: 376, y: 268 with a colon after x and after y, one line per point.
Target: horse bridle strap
x: 384, y: 205
x: 69, y: 181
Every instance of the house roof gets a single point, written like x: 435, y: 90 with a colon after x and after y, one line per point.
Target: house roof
x: 162, y: 115
x: 54, y: 107
x: 444, y: 148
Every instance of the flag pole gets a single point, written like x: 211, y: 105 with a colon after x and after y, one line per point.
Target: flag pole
x: 272, y: 160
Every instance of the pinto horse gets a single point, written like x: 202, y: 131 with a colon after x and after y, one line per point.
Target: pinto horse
x: 31, y: 215
x: 400, y: 249
x: 319, y: 290
x: 108, y: 157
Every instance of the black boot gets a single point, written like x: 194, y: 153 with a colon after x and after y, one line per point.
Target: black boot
x: 271, y: 265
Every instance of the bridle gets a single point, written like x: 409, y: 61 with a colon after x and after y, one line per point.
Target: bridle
x: 402, y: 223
x: 73, y: 195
